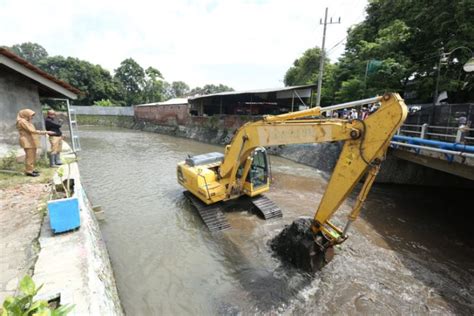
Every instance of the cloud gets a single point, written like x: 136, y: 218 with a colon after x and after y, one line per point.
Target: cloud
x: 244, y: 44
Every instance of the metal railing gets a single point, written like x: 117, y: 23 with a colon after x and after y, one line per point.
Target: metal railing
x: 73, y: 127
x: 461, y: 134
x: 74, y: 131
x: 449, y: 154
x: 451, y: 141
x: 448, y: 140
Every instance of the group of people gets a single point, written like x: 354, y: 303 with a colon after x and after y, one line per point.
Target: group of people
x: 29, y: 139
x: 356, y: 114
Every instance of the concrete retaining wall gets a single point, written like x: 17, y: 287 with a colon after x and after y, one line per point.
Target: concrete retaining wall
x: 104, y: 116
x: 399, y: 171
x: 103, y: 110
x: 178, y: 115
x: 163, y: 114
x: 106, y: 120
x: 76, y: 264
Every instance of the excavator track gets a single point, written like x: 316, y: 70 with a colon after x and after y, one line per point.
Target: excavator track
x: 212, y: 215
x: 267, y: 207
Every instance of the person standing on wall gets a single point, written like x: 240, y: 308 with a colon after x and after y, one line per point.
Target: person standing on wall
x: 29, y: 140
x: 55, y: 139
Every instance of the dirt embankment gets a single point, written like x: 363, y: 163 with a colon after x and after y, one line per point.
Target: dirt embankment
x: 21, y: 213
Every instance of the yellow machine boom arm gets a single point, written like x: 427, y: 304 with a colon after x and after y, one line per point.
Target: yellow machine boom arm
x: 366, y: 142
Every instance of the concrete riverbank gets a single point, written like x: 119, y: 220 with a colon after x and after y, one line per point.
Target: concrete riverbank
x: 118, y: 116
x: 73, y: 266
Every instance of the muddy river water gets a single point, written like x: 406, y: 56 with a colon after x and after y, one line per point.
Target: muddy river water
x: 411, y: 252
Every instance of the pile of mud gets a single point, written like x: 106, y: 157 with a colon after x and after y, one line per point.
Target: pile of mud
x: 295, y: 245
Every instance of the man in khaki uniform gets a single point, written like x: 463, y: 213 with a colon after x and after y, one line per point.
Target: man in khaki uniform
x: 29, y: 139
x: 55, y: 139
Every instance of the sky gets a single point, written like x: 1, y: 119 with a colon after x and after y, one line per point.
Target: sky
x: 245, y: 44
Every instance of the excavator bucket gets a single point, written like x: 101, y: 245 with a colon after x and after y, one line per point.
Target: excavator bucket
x: 297, y: 245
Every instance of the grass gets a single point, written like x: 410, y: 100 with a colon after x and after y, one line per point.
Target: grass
x: 12, y: 172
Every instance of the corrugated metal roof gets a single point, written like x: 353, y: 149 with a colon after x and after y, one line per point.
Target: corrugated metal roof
x: 254, y: 91
x: 175, y: 101
x: 5, y: 52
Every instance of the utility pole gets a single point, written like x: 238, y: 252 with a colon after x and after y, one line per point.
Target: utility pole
x: 321, y: 63
x: 442, y: 58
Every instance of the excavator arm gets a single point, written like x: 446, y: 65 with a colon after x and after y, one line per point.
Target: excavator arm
x: 359, y: 157
x: 263, y: 134
x: 365, y: 145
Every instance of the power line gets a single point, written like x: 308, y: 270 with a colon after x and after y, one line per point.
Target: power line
x: 345, y: 37
x: 337, y: 44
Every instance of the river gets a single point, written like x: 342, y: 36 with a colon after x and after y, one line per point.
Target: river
x: 411, y: 252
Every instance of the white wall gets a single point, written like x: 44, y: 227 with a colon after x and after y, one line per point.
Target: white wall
x: 103, y: 110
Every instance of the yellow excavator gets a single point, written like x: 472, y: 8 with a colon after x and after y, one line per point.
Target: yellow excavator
x: 213, y: 179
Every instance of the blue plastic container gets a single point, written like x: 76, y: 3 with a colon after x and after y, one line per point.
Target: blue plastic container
x: 64, y: 215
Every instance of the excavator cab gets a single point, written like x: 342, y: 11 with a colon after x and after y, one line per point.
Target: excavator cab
x: 257, y: 180
x: 259, y: 171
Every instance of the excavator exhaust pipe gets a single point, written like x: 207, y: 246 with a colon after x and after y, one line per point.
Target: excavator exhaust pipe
x: 298, y: 246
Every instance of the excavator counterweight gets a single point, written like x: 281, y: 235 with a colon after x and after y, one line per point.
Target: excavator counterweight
x: 243, y: 170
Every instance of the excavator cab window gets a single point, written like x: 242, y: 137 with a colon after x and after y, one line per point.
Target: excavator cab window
x: 258, y: 173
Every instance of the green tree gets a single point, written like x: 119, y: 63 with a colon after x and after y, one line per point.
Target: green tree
x: 32, y: 52
x: 94, y: 81
x: 407, y: 37
x: 167, y: 90
x: 180, y: 88
x: 210, y: 89
x: 131, y: 78
x: 355, y: 78
x: 153, y: 74
x: 104, y: 103
x: 305, y: 70
x: 351, y: 89
x: 154, y: 86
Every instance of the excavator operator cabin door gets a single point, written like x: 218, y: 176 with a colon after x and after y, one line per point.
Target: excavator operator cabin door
x: 259, y: 170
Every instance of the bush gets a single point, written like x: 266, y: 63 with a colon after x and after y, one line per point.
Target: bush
x: 24, y: 305
x: 103, y: 103
x: 9, y: 161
